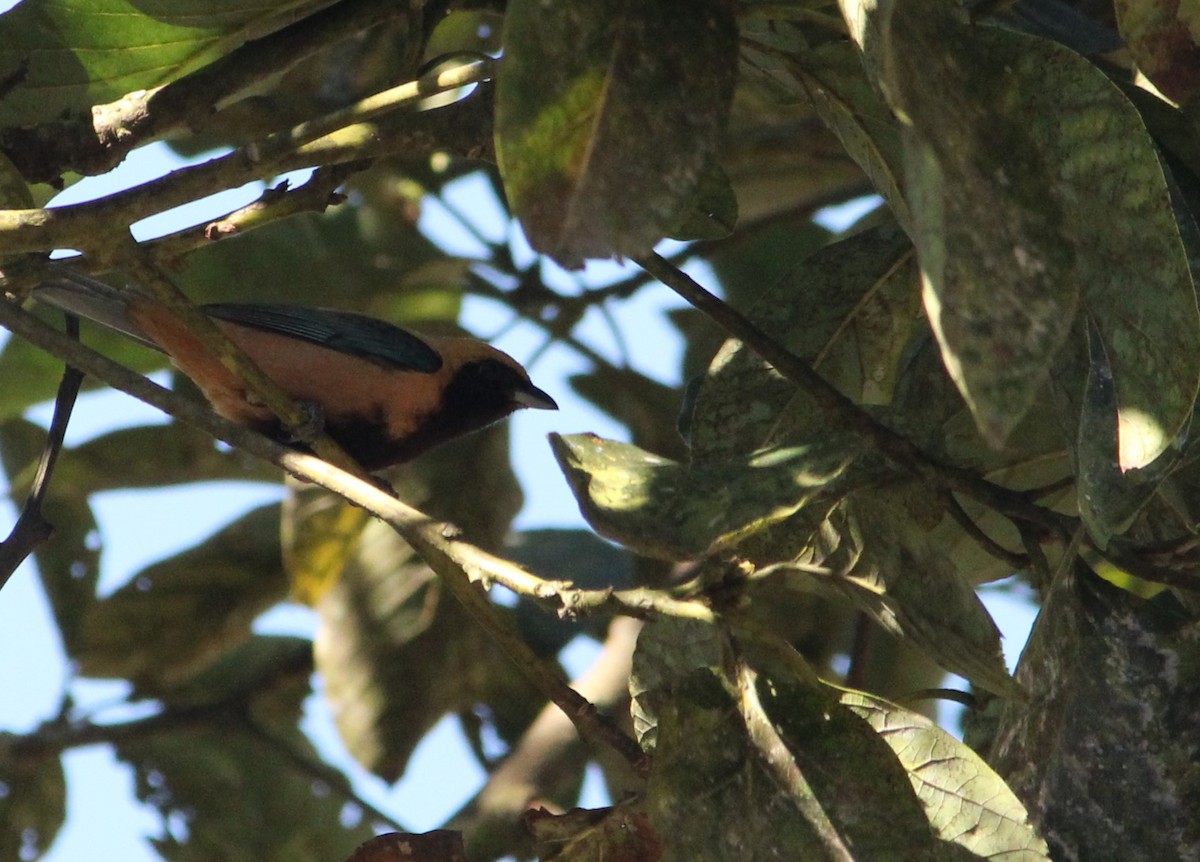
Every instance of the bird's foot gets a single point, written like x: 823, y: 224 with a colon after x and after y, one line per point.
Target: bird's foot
x: 311, y: 428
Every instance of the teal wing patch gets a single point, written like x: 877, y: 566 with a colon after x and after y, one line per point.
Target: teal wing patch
x: 355, y: 334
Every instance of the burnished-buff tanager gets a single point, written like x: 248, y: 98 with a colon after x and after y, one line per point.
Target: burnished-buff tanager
x: 383, y: 393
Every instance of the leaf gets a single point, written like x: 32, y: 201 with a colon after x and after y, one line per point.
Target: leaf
x: 33, y: 799
x: 601, y: 156
x: 1162, y: 38
x: 668, y: 650
x: 177, y: 616
x: 590, y: 563
x: 320, y: 534
x: 995, y: 246
x: 664, y: 509
x: 849, y: 310
x: 831, y: 77
x: 68, y: 56
x: 834, y: 769
x: 712, y: 211
x: 912, y: 589
x: 14, y: 192
x: 237, y: 780
x: 1036, y: 185
x: 851, y: 778
x: 68, y: 565
x: 966, y: 802
x: 147, y: 456
x: 397, y: 653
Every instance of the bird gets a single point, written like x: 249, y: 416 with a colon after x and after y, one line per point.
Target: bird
x: 383, y: 393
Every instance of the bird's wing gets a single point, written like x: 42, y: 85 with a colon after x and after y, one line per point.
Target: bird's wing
x: 354, y: 334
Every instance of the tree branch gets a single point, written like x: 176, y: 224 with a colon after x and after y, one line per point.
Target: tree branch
x: 346, y: 135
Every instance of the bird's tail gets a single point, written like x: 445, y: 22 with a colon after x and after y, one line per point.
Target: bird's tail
x: 78, y: 294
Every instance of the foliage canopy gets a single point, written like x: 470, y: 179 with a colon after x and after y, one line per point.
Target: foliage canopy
x: 994, y: 371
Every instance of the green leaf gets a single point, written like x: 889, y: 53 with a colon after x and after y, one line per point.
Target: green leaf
x: 606, y: 114
x: 70, y: 55
x: 665, y: 509
x: 831, y: 77
x: 14, y: 192
x: 235, y: 773
x: 712, y: 211
x: 966, y: 802
x: 33, y: 799
x: 803, y: 775
x: 912, y: 588
x: 170, y: 454
x: 667, y: 651
x: 177, y: 616
x: 397, y: 654
x: 1035, y: 186
x: 849, y: 310
x: 834, y: 768
x: 68, y: 565
x: 995, y: 246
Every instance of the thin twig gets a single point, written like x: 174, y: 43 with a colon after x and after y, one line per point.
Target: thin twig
x: 1001, y: 553
x: 32, y: 528
x: 94, y: 226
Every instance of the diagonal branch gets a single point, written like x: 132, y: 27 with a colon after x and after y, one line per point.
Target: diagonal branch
x: 32, y: 528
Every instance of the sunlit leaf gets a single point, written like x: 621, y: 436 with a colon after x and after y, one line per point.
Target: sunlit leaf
x: 665, y: 509
x: 1035, y: 186
x: 601, y: 157
x: 72, y: 55
x: 966, y: 802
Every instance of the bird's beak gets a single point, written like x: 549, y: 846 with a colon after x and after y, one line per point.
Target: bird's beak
x: 532, y: 397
